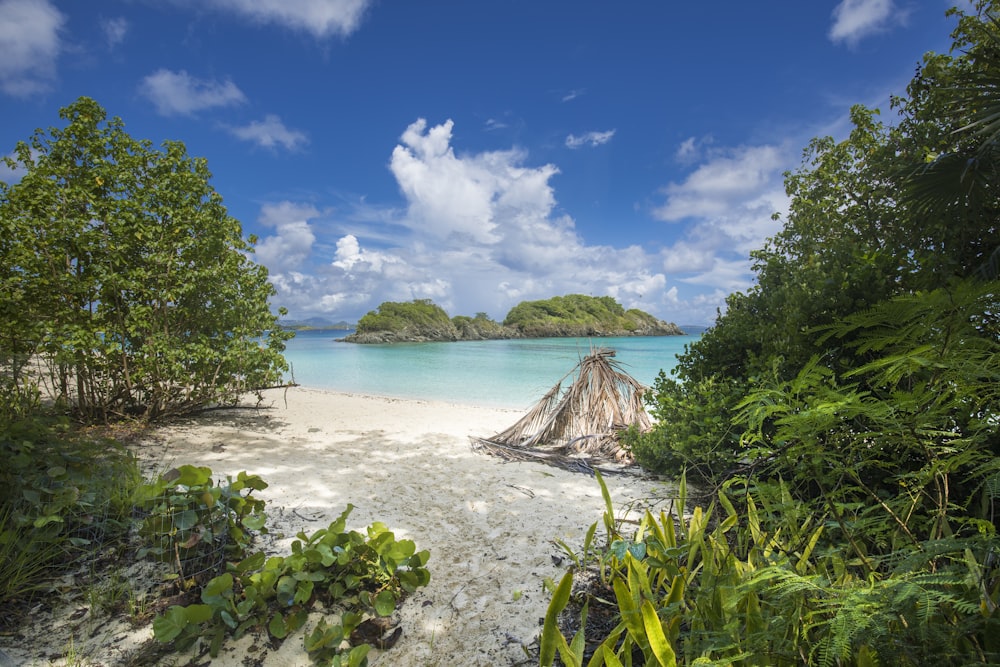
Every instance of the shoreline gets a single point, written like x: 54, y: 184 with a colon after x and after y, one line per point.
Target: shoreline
x: 491, y: 526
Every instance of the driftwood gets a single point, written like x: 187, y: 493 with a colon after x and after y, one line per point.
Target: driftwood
x: 587, y: 419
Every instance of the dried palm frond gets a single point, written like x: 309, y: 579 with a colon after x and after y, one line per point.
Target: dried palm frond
x: 602, y: 401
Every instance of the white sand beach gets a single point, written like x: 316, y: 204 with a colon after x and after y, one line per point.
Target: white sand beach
x: 490, y: 525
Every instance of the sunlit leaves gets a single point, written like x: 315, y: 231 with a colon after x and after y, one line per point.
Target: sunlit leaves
x: 126, y: 273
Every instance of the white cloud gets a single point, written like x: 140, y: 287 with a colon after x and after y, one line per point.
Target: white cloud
x: 290, y: 245
x: 30, y: 44
x: 270, y: 133
x: 687, y: 150
x: 572, y: 95
x: 114, y: 31
x: 180, y: 93
x: 352, y: 259
x: 728, y: 178
x: 686, y: 256
x: 589, y: 139
x: 452, y: 198
x: 726, y: 205
x: 726, y: 275
x: 322, y: 18
x: 854, y: 20
x: 9, y: 175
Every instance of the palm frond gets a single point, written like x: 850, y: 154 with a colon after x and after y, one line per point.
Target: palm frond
x: 602, y: 401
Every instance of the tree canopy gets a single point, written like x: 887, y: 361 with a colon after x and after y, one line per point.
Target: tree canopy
x: 881, y: 214
x: 122, y: 272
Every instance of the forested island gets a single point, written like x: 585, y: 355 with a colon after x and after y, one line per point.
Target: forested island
x: 573, y: 315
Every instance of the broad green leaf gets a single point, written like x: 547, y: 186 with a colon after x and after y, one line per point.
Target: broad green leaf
x: 170, y: 624
x: 277, y: 626
x: 385, y: 603
x: 550, y: 626
x: 658, y: 642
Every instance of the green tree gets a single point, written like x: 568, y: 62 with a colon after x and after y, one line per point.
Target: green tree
x: 879, y: 214
x: 122, y: 270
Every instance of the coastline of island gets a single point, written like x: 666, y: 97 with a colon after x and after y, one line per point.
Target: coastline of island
x: 570, y: 316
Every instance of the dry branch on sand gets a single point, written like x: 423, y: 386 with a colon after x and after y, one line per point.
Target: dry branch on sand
x: 588, y: 418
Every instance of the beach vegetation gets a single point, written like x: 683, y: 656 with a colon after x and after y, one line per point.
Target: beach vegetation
x: 64, y: 495
x: 359, y: 578
x: 756, y: 578
x: 194, y: 524
x: 842, y: 415
x: 128, y: 288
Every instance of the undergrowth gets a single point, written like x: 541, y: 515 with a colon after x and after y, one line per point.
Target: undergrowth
x: 738, y: 583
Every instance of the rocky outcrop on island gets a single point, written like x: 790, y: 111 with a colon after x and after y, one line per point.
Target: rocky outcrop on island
x: 574, y: 315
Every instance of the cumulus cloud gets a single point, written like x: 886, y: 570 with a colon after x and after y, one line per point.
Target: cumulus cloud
x: 321, y: 18
x: 351, y: 259
x: 853, y: 20
x: 179, y: 93
x: 287, y: 249
x: 459, y: 199
x: 114, y: 31
x: 589, y: 139
x: 726, y: 179
x: 30, y: 43
x: 727, y: 204
x: 270, y: 133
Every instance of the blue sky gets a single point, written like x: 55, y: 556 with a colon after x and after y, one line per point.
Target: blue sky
x: 479, y: 153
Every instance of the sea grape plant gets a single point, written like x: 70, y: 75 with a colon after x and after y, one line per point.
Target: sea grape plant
x: 363, y: 574
x: 194, y: 524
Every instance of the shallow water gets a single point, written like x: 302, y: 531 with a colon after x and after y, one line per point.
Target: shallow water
x: 496, y: 373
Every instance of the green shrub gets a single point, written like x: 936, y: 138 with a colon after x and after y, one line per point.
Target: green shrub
x: 63, y: 494
x: 194, y: 524
x: 763, y: 584
x: 397, y: 317
x: 362, y: 575
x: 692, y: 429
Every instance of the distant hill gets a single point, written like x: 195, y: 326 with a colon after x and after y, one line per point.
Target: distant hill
x: 574, y: 315
x: 315, y: 323
x: 692, y: 329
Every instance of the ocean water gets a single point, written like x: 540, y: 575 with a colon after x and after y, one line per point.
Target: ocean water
x: 494, y: 373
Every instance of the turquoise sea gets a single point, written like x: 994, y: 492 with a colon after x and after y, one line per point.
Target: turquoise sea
x: 495, y: 373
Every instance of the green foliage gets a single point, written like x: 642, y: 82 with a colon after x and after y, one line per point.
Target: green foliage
x: 480, y: 326
x: 894, y: 209
x: 764, y: 584
x: 194, y: 524
x: 399, y: 317
x: 62, y: 495
x: 576, y: 312
x: 362, y: 575
x: 692, y: 428
x: 911, y: 432
x: 123, y: 272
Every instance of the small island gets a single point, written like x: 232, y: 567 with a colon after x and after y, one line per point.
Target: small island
x: 570, y: 316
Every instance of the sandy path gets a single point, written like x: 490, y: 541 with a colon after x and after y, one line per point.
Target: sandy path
x: 489, y: 525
